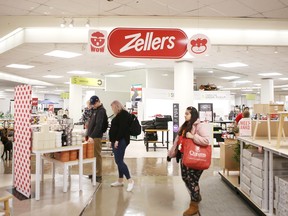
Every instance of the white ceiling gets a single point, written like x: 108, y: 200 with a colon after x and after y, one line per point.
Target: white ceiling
x: 259, y: 58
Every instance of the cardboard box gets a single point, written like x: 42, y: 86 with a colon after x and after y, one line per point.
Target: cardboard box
x: 248, y: 153
x: 245, y: 188
x: 245, y: 180
x: 256, y: 171
x: 247, y: 171
x: 268, y: 108
x: 257, y: 200
x: 257, y: 191
x: 258, y: 162
x: 257, y: 181
x: 246, y: 163
x: 227, y: 160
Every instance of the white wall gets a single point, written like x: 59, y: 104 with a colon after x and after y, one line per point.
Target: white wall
x: 155, y: 79
x: 4, y: 105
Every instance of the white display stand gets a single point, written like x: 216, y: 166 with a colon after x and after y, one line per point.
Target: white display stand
x: 38, y: 164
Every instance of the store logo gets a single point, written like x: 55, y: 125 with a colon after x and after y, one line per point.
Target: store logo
x: 147, y: 43
x: 97, y: 41
x: 199, y: 45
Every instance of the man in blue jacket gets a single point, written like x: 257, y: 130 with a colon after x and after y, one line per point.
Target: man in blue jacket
x: 97, y: 126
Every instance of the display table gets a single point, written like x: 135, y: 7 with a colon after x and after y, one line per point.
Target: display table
x: 38, y: 154
x: 146, y: 141
x: 66, y: 168
x: 282, y: 116
x: 266, y: 109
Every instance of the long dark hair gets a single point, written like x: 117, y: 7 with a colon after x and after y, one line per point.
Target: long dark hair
x: 187, y: 125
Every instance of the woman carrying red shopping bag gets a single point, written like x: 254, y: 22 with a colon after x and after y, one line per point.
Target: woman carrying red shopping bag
x: 193, y: 143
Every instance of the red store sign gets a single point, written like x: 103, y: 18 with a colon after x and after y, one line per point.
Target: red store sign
x: 157, y: 43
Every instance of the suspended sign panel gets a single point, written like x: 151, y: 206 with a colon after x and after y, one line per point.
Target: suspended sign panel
x: 97, y: 42
x: 158, y: 43
x: 87, y: 81
x: 199, y: 45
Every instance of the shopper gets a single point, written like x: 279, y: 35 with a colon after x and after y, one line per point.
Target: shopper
x: 95, y: 132
x: 120, y: 138
x: 241, y: 115
x: 193, y: 129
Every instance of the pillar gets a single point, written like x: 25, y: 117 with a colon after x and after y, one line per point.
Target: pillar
x: 75, y: 102
x: 267, y: 91
x: 183, y: 86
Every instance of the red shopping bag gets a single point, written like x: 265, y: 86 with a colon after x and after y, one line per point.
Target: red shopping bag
x: 195, y: 156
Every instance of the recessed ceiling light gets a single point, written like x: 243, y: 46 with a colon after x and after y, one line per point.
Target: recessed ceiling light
x: 59, y: 90
x: 284, y: 78
x: 242, y: 81
x: 39, y: 87
x: 52, y: 76
x: 67, y: 83
x: 79, y: 72
x: 257, y: 84
x: 9, y: 90
x: 233, y: 64
x: 62, y: 54
x: 165, y: 74
x: 20, y: 66
x: 115, y: 75
x: 129, y: 64
x: 210, y: 71
x: 285, y: 89
x: 270, y: 74
x: 230, y: 77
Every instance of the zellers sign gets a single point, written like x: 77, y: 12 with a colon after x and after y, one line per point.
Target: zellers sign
x: 147, y: 43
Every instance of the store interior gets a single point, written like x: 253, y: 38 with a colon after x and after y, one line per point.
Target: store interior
x: 246, y: 66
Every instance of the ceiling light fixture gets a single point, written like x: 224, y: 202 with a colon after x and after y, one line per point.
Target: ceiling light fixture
x: 284, y: 78
x: 242, y: 81
x: 270, y: 74
x: 63, y: 24
x: 79, y: 72
x: 165, y: 75
x: 19, y: 66
x: 67, y: 83
x: 62, y: 54
x: 211, y: 71
x: 9, y: 90
x: 233, y: 65
x: 230, y: 77
x: 87, y: 25
x: 52, y: 76
x: 42, y: 87
x: 129, y: 64
x: 71, y: 24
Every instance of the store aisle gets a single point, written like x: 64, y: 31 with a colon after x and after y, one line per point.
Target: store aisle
x: 159, y: 190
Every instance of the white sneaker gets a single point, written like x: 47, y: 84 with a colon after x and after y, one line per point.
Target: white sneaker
x: 117, y: 184
x: 130, y: 186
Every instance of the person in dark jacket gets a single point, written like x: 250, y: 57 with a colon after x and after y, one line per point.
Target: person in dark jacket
x: 120, y: 137
x: 95, y: 133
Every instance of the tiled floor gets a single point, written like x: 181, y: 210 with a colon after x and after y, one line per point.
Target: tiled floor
x: 158, y: 191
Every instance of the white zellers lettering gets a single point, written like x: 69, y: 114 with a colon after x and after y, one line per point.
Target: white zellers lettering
x: 149, y: 43
x: 197, y: 154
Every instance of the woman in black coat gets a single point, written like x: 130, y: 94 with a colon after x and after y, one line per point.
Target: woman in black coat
x: 120, y: 138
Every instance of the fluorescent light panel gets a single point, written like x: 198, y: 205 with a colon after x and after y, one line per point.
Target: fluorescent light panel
x: 270, y: 74
x: 19, y: 66
x: 230, y: 77
x: 129, y: 64
x: 62, y: 54
x: 52, y: 76
x: 79, y: 72
x: 284, y: 78
x: 242, y: 81
x: 233, y: 65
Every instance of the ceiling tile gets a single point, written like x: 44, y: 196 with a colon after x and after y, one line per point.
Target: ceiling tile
x: 262, y: 5
x: 7, y: 11
x: 282, y: 13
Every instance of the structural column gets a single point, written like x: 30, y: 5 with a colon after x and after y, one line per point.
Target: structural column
x: 183, y: 86
x: 75, y: 102
x: 267, y: 91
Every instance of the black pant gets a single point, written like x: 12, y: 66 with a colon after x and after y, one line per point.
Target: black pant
x: 191, y: 178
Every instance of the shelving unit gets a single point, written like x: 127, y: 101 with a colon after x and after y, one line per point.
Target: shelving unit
x: 270, y: 151
x: 218, y: 129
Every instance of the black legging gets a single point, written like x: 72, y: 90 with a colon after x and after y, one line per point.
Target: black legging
x: 191, y: 178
